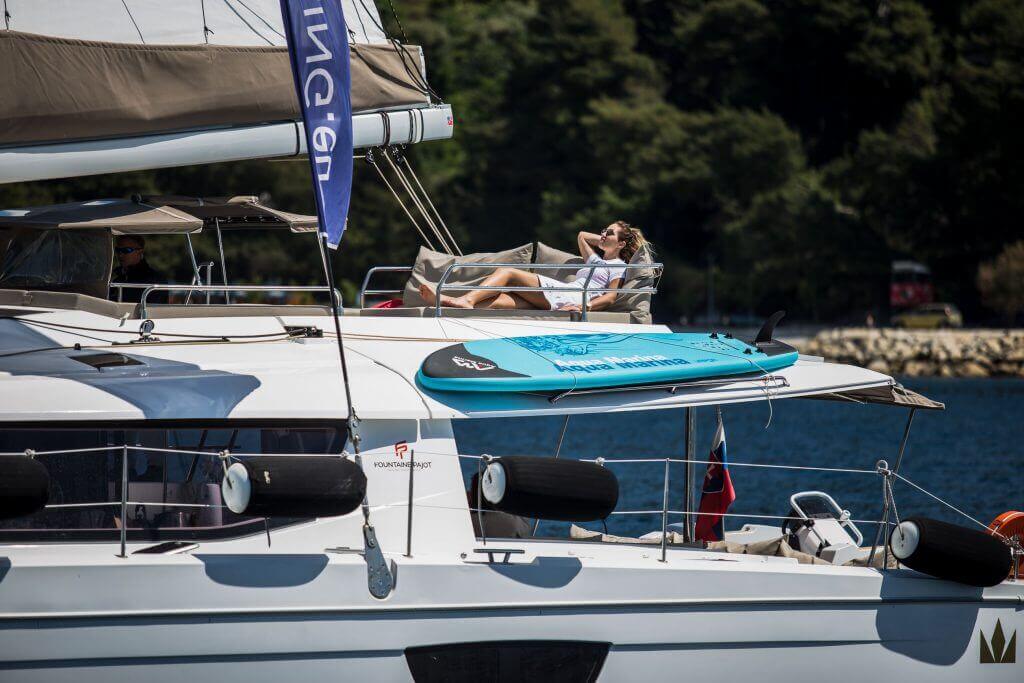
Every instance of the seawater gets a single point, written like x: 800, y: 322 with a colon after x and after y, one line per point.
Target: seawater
x: 971, y: 454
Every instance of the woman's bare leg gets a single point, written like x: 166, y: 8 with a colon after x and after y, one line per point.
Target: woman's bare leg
x: 507, y: 301
x: 503, y: 277
x: 430, y: 296
x: 507, y: 277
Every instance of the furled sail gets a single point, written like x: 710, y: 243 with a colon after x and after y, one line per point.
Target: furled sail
x: 117, y: 85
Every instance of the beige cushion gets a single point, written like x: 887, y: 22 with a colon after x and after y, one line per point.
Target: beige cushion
x: 431, y: 265
x: 545, y: 254
x: 637, y: 305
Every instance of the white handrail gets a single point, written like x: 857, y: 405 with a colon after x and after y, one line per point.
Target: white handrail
x: 230, y: 288
x: 363, y: 291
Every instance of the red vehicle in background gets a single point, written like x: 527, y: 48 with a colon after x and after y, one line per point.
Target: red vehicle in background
x: 910, y: 285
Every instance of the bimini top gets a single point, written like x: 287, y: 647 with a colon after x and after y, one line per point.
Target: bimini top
x: 237, y: 212
x: 121, y: 216
x: 266, y: 368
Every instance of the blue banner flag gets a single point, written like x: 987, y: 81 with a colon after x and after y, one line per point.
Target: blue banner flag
x: 318, y: 47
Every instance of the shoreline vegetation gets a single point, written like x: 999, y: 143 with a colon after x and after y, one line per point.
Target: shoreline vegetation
x: 778, y: 154
x: 924, y: 353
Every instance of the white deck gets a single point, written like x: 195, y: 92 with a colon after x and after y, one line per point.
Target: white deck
x: 248, y: 378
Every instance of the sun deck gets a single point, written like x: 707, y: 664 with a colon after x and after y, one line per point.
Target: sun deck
x: 286, y: 366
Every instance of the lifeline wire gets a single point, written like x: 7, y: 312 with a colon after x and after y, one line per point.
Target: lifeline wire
x: 61, y: 327
x: 949, y: 505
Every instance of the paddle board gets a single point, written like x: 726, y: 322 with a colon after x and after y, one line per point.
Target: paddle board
x: 591, y: 361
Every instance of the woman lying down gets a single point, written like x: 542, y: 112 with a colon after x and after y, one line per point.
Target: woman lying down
x: 615, y: 246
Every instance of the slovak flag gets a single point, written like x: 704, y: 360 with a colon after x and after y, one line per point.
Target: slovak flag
x: 717, y: 493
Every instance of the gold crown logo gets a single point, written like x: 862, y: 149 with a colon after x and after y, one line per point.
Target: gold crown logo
x: 998, y: 651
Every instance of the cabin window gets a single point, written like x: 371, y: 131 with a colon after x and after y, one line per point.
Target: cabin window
x: 173, y: 492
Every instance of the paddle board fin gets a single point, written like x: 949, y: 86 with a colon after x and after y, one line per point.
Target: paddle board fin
x: 764, y: 342
x: 764, y: 335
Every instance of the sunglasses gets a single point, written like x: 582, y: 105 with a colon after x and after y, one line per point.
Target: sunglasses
x: 126, y: 250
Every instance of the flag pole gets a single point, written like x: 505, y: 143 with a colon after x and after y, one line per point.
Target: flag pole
x: 318, y: 51
x: 335, y: 308
x: 690, y: 436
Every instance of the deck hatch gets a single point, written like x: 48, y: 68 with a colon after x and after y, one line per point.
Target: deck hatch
x: 106, y: 360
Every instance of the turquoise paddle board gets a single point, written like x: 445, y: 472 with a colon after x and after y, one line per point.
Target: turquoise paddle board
x: 590, y: 361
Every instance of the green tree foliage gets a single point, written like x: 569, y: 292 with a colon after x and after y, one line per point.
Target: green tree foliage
x: 799, y: 146
x: 1000, y: 282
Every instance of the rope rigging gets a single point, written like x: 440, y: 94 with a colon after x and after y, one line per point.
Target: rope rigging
x: 246, y: 22
x: 260, y: 17
x: 412, y: 71
x: 206, y: 29
x: 425, y: 207
x: 134, y: 23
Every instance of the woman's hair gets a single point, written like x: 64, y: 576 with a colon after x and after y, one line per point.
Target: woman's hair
x: 632, y: 239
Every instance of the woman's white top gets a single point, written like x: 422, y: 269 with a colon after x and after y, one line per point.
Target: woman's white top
x: 603, y: 274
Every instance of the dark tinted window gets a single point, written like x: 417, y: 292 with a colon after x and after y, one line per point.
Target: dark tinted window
x: 171, y: 494
x: 508, y: 661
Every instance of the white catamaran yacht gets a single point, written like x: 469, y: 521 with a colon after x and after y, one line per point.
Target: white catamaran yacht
x: 191, y: 488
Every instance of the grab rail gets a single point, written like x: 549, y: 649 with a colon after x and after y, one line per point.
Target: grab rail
x: 206, y: 265
x: 363, y: 291
x: 231, y: 288
x: 125, y: 480
x: 881, y: 469
x: 586, y: 289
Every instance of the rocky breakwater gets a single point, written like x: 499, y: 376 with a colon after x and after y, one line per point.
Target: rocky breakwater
x: 921, y: 353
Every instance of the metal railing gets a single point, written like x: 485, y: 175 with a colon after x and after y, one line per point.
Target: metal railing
x: 363, y: 291
x: 585, y: 291
x: 231, y: 288
x: 197, y: 279
x: 443, y: 284
x: 881, y: 470
x: 125, y: 481
x: 221, y: 455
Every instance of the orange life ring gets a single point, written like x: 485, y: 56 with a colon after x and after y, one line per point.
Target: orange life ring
x: 1008, y: 525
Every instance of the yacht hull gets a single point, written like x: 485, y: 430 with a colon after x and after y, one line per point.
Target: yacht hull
x: 793, y: 635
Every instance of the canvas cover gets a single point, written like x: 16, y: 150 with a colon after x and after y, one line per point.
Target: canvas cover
x: 63, y: 89
x: 243, y: 211
x: 891, y: 395
x: 56, y: 260
x: 119, y: 216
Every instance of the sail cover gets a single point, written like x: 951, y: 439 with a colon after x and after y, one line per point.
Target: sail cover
x: 95, y: 69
